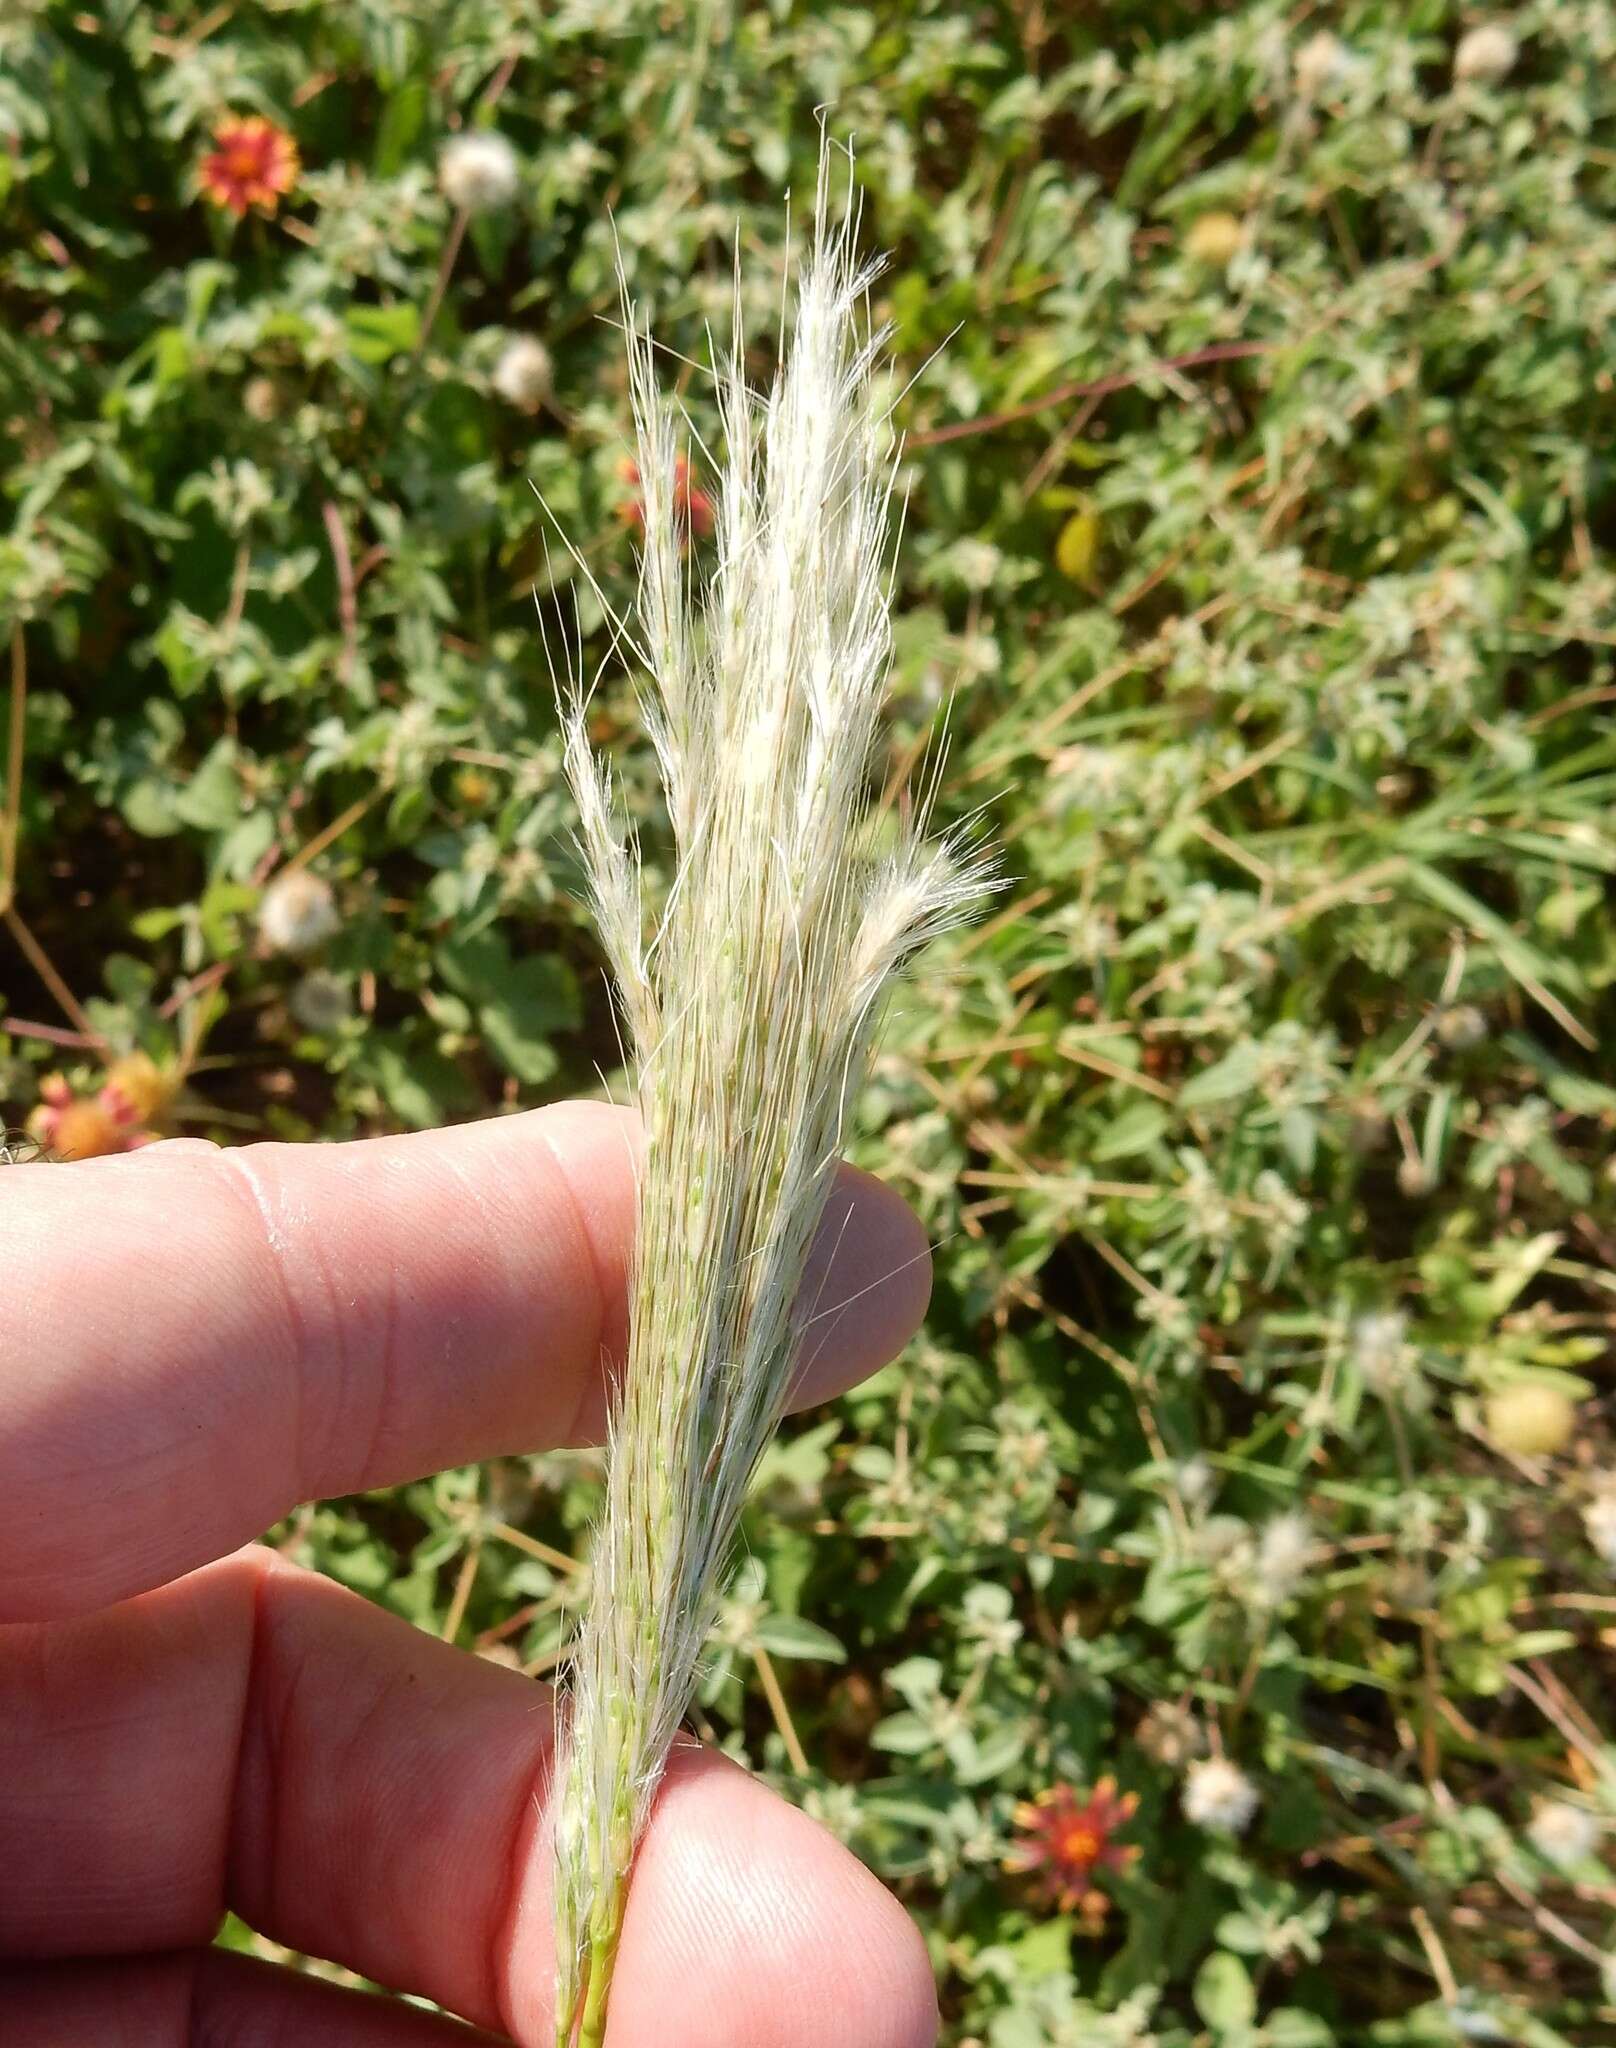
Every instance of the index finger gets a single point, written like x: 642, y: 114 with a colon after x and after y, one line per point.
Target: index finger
x: 193, y: 1343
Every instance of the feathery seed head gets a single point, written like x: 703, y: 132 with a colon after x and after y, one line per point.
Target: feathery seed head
x: 751, y: 1000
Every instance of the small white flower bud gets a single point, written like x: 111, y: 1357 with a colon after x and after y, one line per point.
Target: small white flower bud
x: 298, y: 913
x: 1485, y: 54
x: 1196, y: 1482
x: 1319, y: 62
x: 1599, y: 1520
x: 1218, y: 1794
x: 1413, y: 1177
x: 522, y: 376
x: 1562, y: 1834
x: 261, y: 399
x: 1462, y: 1027
x: 1379, y: 1346
x: 1283, y: 1551
x: 478, y: 172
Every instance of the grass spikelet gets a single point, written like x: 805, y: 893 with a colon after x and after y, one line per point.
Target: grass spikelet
x: 751, y: 1005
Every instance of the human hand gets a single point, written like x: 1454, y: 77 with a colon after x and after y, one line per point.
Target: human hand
x: 193, y: 1341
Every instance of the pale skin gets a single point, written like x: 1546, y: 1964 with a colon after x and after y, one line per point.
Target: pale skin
x: 192, y: 1342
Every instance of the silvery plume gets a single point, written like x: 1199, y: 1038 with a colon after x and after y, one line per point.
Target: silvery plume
x: 752, y: 999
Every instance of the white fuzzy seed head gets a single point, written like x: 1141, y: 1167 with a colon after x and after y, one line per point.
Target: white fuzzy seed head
x: 524, y: 373
x: 1218, y: 1794
x: 298, y: 913
x: 478, y: 172
x: 1562, y: 1834
x: 1485, y: 54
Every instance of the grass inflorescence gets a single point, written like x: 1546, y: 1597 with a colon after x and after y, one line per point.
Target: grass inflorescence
x: 751, y: 1004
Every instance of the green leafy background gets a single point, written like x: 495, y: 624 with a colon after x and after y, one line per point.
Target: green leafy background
x: 1260, y: 571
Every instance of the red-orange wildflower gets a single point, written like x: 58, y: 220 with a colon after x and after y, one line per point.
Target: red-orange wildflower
x: 692, y: 507
x: 86, y: 1126
x: 252, y: 164
x: 137, y: 1088
x: 1065, y: 1840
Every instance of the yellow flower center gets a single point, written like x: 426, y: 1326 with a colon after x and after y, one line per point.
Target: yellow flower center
x: 1079, y: 1843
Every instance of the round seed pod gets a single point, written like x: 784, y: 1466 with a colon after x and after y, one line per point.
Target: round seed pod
x: 1214, y: 239
x: 1532, y: 1420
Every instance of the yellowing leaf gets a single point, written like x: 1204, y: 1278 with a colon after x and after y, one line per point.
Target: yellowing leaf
x: 1078, y: 545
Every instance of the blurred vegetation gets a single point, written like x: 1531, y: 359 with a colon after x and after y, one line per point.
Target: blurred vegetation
x: 1258, y: 384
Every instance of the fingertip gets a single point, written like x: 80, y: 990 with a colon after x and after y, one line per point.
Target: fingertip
x: 868, y: 1279
x: 866, y: 1289
x: 798, y: 1944
x: 200, y: 1338
x: 919, y: 2017
x: 159, y: 1151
